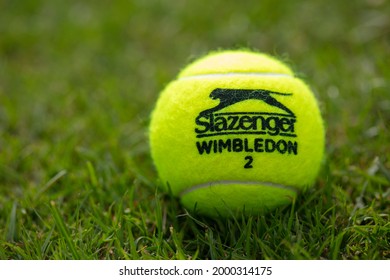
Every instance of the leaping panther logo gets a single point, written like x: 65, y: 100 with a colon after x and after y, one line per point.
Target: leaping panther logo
x: 228, y: 97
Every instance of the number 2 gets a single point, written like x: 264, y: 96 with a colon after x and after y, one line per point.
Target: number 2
x: 249, y: 160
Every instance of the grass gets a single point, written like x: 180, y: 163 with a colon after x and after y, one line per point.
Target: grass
x: 78, y: 81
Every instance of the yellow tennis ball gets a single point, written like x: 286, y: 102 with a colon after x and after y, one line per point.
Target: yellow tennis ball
x: 236, y: 133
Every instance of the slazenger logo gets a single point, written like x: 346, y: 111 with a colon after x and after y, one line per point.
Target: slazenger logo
x: 213, y: 122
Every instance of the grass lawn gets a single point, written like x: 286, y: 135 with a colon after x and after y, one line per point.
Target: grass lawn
x: 78, y: 80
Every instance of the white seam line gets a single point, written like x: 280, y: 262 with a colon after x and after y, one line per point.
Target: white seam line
x: 201, y: 76
x: 209, y: 184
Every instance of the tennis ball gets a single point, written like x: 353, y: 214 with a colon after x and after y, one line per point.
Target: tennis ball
x: 236, y: 133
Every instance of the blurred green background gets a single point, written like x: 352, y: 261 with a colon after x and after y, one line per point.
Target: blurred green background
x: 78, y: 80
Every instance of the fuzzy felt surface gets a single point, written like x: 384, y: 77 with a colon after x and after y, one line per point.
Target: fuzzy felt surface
x: 278, y: 136
x: 235, y: 61
x: 228, y: 199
